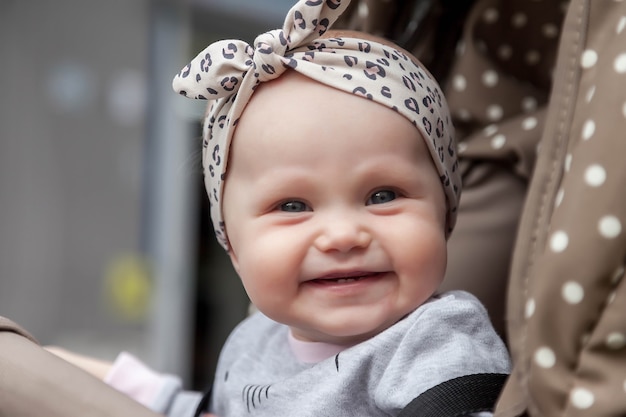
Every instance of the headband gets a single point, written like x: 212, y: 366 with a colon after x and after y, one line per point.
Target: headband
x: 228, y: 72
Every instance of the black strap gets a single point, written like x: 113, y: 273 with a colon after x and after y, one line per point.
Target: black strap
x: 203, y: 406
x: 457, y: 397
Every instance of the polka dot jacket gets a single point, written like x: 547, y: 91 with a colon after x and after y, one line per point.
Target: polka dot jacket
x: 567, y: 301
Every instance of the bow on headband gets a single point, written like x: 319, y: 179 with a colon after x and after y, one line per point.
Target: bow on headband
x: 220, y: 69
x: 228, y: 72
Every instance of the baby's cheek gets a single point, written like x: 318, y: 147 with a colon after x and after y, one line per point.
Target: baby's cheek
x: 263, y: 272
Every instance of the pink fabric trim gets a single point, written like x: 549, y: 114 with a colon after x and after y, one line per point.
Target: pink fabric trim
x: 130, y: 376
x: 313, y: 352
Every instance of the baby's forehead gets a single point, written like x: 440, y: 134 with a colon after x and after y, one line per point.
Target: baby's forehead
x: 294, y: 101
x: 318, y: 118
x: 294, y: 95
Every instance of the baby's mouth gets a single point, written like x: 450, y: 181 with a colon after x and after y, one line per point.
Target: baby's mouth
x: 345, y: 278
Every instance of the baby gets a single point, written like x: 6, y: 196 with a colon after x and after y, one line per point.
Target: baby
x: 331, y: 169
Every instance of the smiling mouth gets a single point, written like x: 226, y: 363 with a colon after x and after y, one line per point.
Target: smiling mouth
x: 346, y: 278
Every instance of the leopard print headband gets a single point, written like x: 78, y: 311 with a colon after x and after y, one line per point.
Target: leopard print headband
x: 228, y: 71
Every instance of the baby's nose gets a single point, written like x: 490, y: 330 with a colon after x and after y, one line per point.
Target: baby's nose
x: 343, y: 235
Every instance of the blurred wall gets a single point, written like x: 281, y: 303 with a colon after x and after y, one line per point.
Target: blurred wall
x: 73, y: 76
x: 104, y: 237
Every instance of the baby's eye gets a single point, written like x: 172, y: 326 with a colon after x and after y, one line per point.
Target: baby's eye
x: 382, y: 197
x: 294, y: 206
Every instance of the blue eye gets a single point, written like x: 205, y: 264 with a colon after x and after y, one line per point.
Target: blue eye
x: 382, y: 197
x: 293, y: 206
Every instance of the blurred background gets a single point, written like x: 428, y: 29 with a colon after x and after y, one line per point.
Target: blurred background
x: 105, y: 238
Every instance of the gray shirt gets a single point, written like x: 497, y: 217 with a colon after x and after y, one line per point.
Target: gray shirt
x: 447, y: 337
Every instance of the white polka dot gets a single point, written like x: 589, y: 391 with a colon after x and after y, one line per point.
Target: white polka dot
x: 610, y: 227
x: 625, y: 385
x: 463, y: 114
x: 590, y: 93
x: 624, y: 109
x: 620, y: 25
x: 494, y: 112
x: 363, y: 10
x: 498, y: 141
x: 530, y: 308
x: 620, y: 64
x: 529, y: 104
x: 559, y: 197
x: 617, y: 275
x: 519, y: 19
x: 550, y: 30
x: 461, y: 147
x: 568, y: 162
x: 559, y: 241
x: 490, y: 78
x: 589, y: 58
x: 505, y: 51
x: 595, y: 175
x: 490, y: 15
x: 532, y: 57
x: 616, y: 340
x: 544, y: 357
x: 572, y: 292
x: 529, y: 123
x: 459, y: 83
x: 589, y: 129
x: 581, y: 398
x: 490, y: 130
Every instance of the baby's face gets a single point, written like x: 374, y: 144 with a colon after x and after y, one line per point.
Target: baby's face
x: 334, y: 211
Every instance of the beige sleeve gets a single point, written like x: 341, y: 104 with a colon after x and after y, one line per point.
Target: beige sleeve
x: 567, y: 298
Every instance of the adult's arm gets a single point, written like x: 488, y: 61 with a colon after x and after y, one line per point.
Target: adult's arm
x: 34, y: 382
